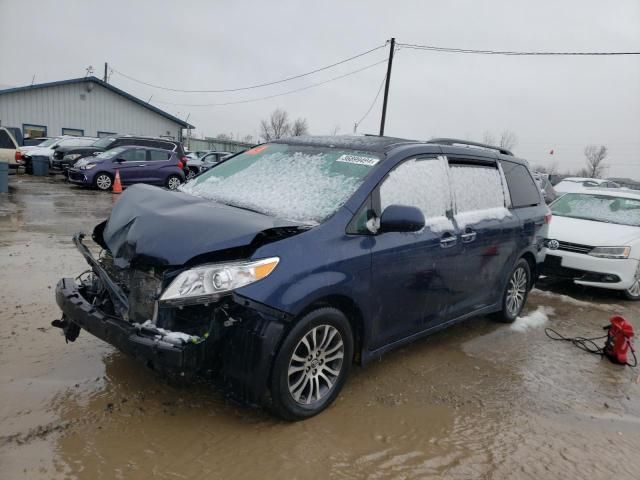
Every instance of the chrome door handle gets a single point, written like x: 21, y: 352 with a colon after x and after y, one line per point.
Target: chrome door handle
x: 468, y: 237
x: 448, y: 241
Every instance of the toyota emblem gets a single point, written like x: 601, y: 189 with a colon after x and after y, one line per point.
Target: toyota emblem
x: 553, y: 244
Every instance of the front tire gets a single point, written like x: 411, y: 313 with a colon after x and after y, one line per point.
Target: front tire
x: 633, y: 292
x: 312, y: 365
x: 516, y: 293
x: 103, y: 181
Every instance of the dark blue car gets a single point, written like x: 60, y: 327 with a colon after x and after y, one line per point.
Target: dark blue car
x: 135, y: 164
x: 278, y: 268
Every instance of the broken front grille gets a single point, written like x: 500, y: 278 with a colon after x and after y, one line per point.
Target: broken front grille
x: 142, y: 288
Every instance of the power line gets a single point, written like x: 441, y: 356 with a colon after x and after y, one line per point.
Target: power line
x: 507, y: 52
x: 273, y: 96
x: 250, y: 87
x: 375, y: 99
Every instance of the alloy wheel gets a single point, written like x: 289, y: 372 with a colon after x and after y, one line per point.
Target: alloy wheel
x: 173, y: 183
x: 516, y: 291
x: 315, y: 364
x: 634, y: 290
x: 103, y: 181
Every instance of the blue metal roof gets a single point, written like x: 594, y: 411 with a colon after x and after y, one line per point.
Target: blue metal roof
x: 105, y: 85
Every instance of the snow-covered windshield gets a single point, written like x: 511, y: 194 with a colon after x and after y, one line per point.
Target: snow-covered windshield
x: 599, y: 208
x: 301, y: 183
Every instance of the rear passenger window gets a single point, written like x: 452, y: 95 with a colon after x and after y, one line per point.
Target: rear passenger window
x: 136, y: 155
x: 157, y: 155
x: 524, y: 191
x: 421, y: 183
x: 476, y: 187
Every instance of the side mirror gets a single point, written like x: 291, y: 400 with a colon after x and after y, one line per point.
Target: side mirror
x: 401, y: 218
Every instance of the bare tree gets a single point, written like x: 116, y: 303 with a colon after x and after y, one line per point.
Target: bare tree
x: 277, y: 126
x: 224, y: 136
x: 488, y: 138
x: 299, y: 128
x: 335, y: 130
x: 595, y: 160
x: 247, y: 139
x: 508, y: 140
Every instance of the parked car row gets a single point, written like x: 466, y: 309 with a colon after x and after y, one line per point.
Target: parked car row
x: 135, y: 164
x: 204, y: 161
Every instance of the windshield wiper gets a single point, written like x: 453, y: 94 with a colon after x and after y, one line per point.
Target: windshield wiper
x: 244, y: 208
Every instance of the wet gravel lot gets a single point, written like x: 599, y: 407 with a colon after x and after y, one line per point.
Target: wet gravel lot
x: 479, y: 400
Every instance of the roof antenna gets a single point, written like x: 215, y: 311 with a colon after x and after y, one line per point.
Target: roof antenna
x: 89, y: 71
x: 33, y: 79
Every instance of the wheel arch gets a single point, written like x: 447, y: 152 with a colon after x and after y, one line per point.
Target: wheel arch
x: 353, y: 313
x: 533, y: 266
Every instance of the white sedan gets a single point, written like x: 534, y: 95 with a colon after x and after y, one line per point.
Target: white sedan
x: 594, y: 239
x: 580, y: 184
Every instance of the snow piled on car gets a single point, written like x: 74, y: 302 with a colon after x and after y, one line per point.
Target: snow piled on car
x: 479, y: 194
x: 291, y: 186
x: 422, y: 184
x: 535, y: 319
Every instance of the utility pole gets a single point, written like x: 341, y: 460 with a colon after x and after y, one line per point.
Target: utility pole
x: 386, y: 85
x: 105, y: 72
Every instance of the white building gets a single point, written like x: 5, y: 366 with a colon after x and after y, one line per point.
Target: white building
x: 84, y: 106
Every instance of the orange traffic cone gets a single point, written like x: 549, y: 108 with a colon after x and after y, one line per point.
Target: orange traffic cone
x: 117, y: 186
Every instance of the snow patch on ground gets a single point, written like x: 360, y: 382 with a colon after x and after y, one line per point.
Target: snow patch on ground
x: 535, y: 319
x: 565, y: 298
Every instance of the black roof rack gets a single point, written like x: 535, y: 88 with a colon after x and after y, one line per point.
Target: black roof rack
x: 455, y: 141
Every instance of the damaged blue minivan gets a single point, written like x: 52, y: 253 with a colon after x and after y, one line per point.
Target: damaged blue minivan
x: 276, y: 270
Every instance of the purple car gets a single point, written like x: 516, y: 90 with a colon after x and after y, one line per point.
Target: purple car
x: 136, y: 165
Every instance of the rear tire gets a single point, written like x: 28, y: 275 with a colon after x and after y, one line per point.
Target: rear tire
x: 191, y: 172
x: 103, y: 181
x: 312, y: 365
x: 173, y: 182
x: 515, y: 293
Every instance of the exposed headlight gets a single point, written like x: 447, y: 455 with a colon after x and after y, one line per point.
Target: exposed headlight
x: 611, y: 252
x: 88, y: 166
x: 207, y: 283
x: 71, y: 157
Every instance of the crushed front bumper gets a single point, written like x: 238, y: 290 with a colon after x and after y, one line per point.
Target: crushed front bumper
x: 238, y: 350
x: 126, y: 336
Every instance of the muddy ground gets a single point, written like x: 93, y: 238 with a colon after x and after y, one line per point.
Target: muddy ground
x: 479, y: 400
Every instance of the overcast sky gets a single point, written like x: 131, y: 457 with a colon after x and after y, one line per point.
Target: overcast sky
x: 559, y: 103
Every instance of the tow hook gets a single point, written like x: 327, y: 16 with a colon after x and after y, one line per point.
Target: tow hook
x: 69, y: 329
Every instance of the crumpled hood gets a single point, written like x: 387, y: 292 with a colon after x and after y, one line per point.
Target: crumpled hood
x: 158, y: 227
x: 587, y: 232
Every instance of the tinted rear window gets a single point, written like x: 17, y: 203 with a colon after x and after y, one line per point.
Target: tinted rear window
x: 524, y: 191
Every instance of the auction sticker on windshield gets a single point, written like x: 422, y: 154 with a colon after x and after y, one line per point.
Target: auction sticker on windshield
x: 257, y: 150
x: 358, y: 160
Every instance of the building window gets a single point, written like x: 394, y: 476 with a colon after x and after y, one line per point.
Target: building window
x: 75, y: 132
x: 105, y: 134
x: 33, y: 131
